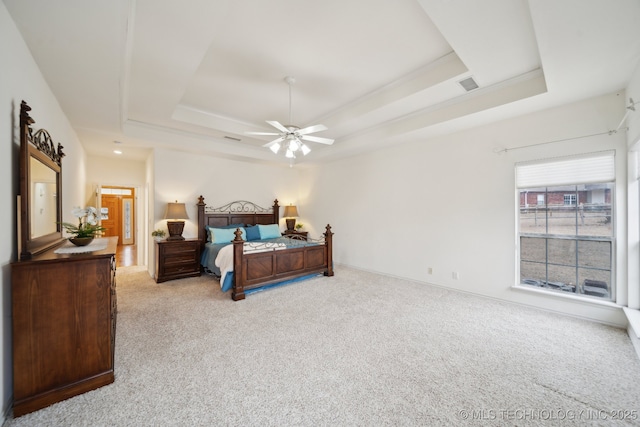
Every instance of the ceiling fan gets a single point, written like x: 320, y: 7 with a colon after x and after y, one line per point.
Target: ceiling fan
x: 292, y: 136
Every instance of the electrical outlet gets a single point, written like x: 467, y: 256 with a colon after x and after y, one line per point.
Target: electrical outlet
x: 429, y: 270
x: 455, y: 275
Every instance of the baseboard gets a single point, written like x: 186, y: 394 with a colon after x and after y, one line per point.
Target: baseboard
x: 7, y: 413
x: 633, y: 329
x: 634, y: 340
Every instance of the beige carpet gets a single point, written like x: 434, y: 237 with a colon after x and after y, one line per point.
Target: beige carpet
x: 355, y: 349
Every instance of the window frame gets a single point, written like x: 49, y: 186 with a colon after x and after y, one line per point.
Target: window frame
x: 606, y: 175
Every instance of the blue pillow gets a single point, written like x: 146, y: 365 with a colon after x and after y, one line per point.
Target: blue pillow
x: 253, y: 233
x: 224, y: 235
x: 270, y: 231
x: 232, y: 226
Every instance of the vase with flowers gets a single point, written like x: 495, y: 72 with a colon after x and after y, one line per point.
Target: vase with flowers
x: 158, y: 234
x: 87, y: 228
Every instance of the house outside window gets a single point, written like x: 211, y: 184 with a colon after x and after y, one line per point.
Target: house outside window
x: 566, y: 243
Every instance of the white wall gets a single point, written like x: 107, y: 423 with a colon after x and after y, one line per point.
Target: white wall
x: 633, y: 118
x: 633, y: 142
x: 112, y: 171
x: 184, y: 176
x: 22, y: 80
x: 450, y: 203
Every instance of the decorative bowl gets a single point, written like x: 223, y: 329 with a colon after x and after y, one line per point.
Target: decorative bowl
x: 81, y: 241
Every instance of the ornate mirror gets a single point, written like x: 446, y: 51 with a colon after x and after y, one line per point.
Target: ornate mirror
x: 40, y: 188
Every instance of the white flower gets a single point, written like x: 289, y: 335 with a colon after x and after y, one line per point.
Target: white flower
x: 87, y: 222
x: 90, y: 212
x: 79, y: 212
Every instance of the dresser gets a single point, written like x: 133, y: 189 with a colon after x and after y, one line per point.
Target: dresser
x: 64, y: 310
x: 177, y: 259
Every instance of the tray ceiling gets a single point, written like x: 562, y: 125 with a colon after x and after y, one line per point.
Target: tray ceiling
x: 197, y: 75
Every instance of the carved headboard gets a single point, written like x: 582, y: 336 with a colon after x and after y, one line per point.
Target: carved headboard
x: 238, y: 212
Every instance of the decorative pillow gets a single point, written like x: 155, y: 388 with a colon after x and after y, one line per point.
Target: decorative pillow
x: 232, y: 226
x: 270, y: 231
x: 225, y: 235
x: 253, y: 233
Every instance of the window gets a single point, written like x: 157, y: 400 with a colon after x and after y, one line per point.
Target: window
x: 566, y: 243
x: 116, y: 191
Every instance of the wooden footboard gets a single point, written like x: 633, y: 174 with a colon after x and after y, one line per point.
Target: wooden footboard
x: 253, y: 270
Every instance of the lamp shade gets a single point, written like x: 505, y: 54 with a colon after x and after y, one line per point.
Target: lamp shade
x: 176, y: 211
x: 290, y: 211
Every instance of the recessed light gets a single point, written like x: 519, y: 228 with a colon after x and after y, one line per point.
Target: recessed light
x: 117, y: 151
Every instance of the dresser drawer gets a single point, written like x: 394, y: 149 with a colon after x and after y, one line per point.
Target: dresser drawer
x: 180, y: 258
x: 180, y: 248
x: 180, y: 268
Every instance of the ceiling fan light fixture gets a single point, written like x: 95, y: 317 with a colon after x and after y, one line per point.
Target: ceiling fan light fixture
x: 292, y: 136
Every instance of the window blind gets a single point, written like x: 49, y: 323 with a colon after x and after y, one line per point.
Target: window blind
x: 585, y: 169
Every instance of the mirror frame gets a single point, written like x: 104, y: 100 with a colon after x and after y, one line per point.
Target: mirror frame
x: 40, y: 146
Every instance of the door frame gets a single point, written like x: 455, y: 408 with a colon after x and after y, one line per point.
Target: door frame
x: 139, y: 216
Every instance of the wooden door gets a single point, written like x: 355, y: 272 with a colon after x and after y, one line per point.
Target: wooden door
x: 111, y: 215
x: 118, y: 213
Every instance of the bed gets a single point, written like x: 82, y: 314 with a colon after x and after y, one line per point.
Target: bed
x: 256, y: 264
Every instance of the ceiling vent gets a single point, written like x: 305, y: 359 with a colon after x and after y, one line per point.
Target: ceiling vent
x: 469, y: 84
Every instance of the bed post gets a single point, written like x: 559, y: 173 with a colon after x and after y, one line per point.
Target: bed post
x: 328, y: 241
x: 276, y: 212
x: 238, y: 283
x: 202, y: 232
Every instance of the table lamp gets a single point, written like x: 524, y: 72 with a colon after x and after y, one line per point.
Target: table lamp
x: 175, y: 212
x: 290, y: 214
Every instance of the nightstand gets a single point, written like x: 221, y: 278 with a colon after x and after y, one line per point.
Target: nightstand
x: 177, y: 259
x: 292, y: 234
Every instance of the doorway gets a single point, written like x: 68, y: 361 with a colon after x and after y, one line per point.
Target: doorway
x: 117, y: 214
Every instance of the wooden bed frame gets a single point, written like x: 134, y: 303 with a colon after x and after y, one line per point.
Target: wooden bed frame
x: 254, y: 270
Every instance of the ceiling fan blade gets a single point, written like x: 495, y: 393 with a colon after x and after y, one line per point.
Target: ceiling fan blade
x: 327, y: 141
x: 311, y: 129
x: 276, y: 124
x: 275, y: 141
x: 261, y: 133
